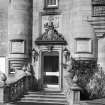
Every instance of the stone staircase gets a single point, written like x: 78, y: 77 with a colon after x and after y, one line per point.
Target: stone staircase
x: 42, y: 97
x: 50, y: 98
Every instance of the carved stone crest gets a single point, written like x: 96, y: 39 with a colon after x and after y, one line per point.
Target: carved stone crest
x: 50, y: 36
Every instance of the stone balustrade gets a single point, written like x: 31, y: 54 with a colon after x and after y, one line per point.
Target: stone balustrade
x: 15, y: 87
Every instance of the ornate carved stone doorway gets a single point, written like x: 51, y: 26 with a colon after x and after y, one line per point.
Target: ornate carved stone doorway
x: 51, y: 70
x: 51, y: 46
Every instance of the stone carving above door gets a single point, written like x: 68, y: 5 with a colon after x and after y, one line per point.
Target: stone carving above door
x: 56, y: 19
x: 50, y: 36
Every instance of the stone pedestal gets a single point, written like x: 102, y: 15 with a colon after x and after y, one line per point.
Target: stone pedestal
x: 1, y: 95
x: 75, y: 95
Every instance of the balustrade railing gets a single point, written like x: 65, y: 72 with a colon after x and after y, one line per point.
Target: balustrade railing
x: 16, y: 87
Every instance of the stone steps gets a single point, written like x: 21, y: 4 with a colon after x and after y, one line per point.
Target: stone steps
x: 50, y: 98
x: 45, y: 97
x: 39, y: 98
x: 30, y: 103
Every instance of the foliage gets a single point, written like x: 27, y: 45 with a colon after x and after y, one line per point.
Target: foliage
x: 84, y: 71
x: 96, y: 85
x: 90, y: 77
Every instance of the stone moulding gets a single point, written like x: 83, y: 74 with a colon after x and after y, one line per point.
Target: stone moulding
x: 50, y: 36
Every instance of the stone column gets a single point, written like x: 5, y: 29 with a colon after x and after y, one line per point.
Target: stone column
x: 20, y: 29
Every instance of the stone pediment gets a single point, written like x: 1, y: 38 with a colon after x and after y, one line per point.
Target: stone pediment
x: 50, y: 36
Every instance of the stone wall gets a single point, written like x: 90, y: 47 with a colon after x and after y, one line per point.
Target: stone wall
x: 73, y: 24
x: 101, y: 53
x: 20, y: 22
x: 68, y: 10
x: 3, y: 34
x: 3, y: 27
x: 17, y: 22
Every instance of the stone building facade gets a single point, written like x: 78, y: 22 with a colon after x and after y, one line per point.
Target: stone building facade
x: 46, y: 28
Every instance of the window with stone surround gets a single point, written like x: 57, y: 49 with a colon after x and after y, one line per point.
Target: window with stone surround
x: 98, y: 8
x: 50, y: 4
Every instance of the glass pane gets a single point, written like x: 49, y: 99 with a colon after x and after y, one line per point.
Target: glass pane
x: 51, y: 63
x: 51, y: 2
x: 53, y: 80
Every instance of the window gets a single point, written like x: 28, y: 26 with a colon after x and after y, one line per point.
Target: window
x: 51, y: 4
x: 98, y: 7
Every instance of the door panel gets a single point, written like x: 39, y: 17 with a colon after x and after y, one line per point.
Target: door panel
x: 51, y: 72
